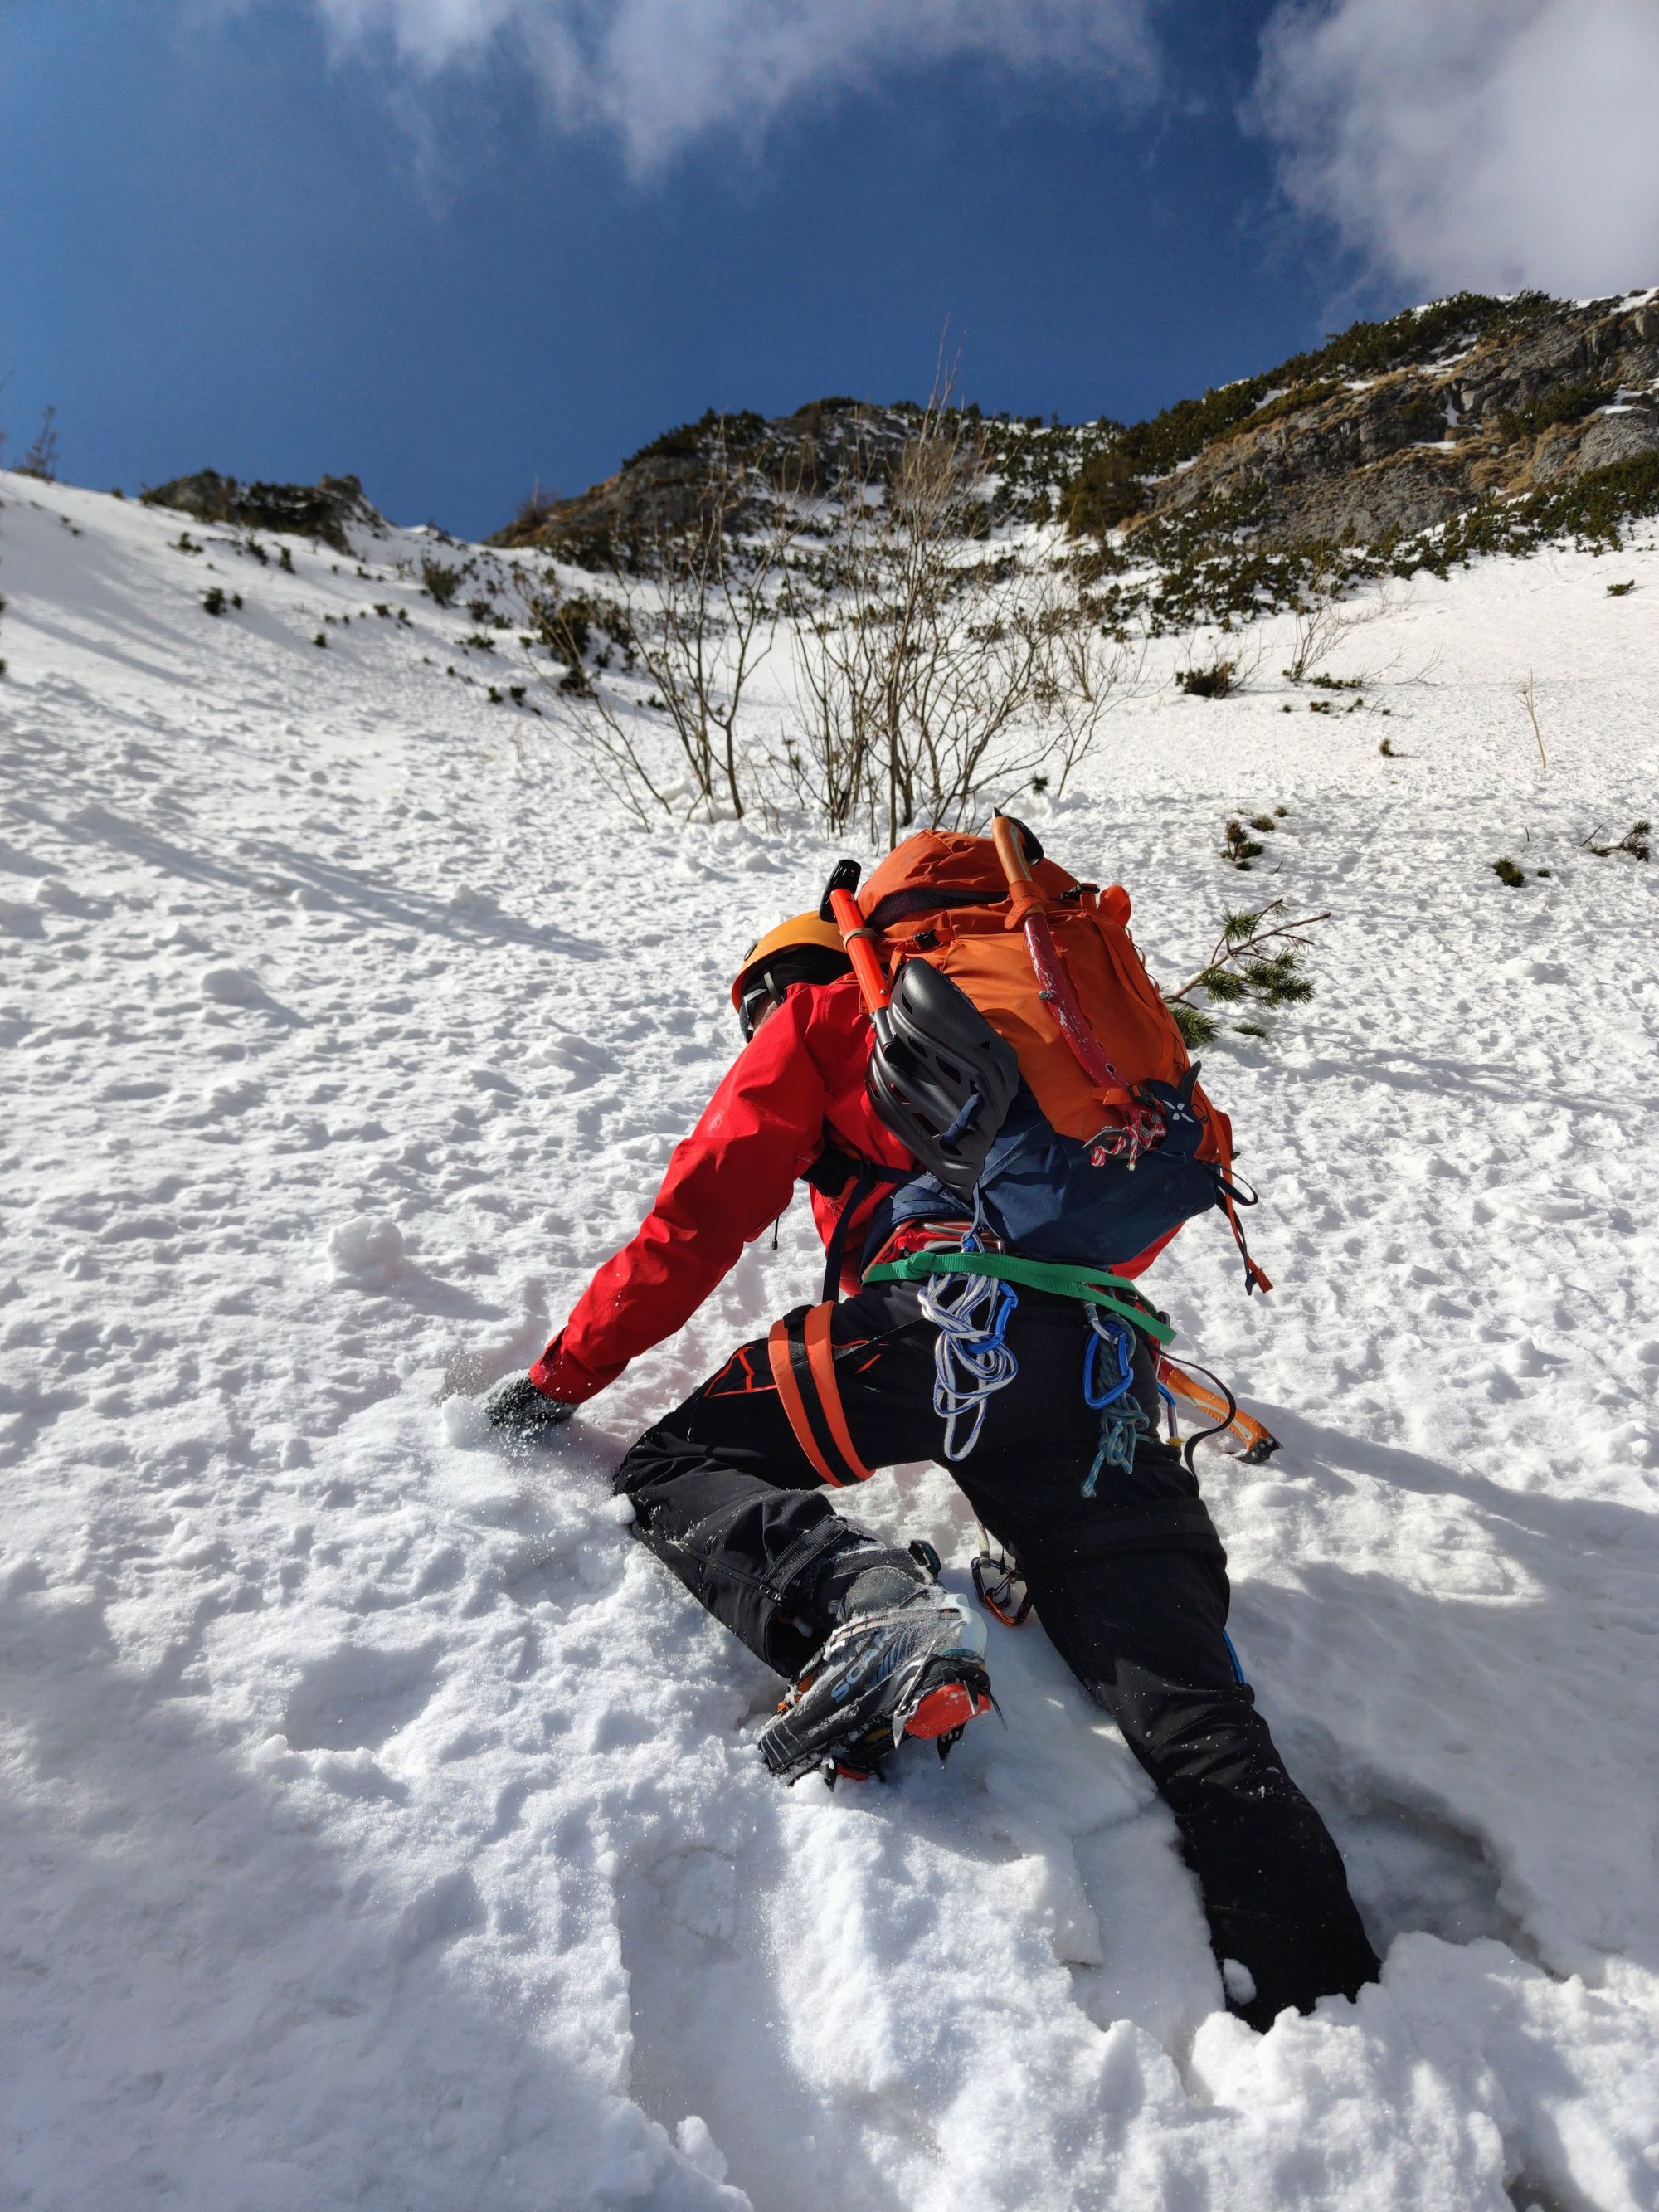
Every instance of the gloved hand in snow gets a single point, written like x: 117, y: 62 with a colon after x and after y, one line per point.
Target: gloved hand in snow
x: 519, y: 1407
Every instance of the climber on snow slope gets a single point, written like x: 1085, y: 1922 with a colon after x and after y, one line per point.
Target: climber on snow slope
x: 999, y: 1130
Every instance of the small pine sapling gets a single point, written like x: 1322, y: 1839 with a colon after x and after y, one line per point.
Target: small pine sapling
x: 1255, y: 965
x: 1634, y: 842
x: 1507, y: 872
x: 1197, y: 1028
x: 41, y: 458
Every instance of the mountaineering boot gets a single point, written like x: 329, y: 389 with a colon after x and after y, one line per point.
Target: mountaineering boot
x: 904, y: 1658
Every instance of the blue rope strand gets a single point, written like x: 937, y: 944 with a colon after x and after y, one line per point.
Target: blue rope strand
x: 1121, y: 1425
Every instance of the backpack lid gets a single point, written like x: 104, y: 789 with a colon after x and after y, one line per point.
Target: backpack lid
x: 940, y: 868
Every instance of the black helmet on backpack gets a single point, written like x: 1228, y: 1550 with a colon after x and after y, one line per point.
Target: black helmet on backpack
x: 941, y: 1077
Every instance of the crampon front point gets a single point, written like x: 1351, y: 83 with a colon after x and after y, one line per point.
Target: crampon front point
x: 916, y: 1670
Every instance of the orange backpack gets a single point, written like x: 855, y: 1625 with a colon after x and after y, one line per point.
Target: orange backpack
x: 961, y: 903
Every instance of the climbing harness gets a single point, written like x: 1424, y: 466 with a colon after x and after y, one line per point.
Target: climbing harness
x: 972, y: 1361
x: 1060, y: 1278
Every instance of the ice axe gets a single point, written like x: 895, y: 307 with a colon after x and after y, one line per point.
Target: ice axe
x: 841, y: 907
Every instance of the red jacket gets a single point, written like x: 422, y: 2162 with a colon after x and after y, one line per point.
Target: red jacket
x: 797, y: 1085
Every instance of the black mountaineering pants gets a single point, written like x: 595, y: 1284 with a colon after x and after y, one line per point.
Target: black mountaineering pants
x: 733, y: 1491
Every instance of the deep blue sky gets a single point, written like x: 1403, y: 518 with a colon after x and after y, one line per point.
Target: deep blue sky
x: 220, y: 248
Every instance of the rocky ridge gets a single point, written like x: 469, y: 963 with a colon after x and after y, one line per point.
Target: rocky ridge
x: 1389, y: 430
x: 1541, y: 396
x: 664, y: 487
x: 322, y: 510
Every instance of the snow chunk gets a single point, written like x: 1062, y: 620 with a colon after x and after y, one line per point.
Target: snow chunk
x: 231, y: 987
x: 367, y: 1250
x: 699, y: 2148
x: 1238, y: 1981
x: 464, y: 1422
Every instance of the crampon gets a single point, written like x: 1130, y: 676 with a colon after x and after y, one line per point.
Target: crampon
x: 917, y: 1669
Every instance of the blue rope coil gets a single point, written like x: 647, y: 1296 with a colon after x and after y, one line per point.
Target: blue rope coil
x: 1122, y: 1424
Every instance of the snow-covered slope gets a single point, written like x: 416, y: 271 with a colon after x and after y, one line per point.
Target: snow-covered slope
x: 383, y: 1828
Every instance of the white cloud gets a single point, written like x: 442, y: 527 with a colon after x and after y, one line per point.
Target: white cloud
x: 1491, y: 143
x: 661, y: 73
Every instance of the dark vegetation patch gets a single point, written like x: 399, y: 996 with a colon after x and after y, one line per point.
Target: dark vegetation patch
x: 1591, y: 509
x: 1561, y: 402
x: 1212, y: 679
x: 687, y: 440
x: 1202, y: 564
x: 1634, y: 842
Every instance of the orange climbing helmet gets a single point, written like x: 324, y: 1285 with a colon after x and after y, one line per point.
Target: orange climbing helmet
x: 805, y: 949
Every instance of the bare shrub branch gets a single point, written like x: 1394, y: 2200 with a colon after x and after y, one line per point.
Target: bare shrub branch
x: 1325, y: 611
x: 697, y: 612
x: 1527, y: 693
x: 928, y: 667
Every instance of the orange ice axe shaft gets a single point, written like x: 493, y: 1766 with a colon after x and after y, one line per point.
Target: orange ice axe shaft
x: 860, y: 941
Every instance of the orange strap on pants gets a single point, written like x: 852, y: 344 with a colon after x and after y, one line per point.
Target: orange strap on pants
x: 803, y: 1359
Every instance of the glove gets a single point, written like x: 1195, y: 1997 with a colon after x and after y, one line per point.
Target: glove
x: 519, y: 1407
